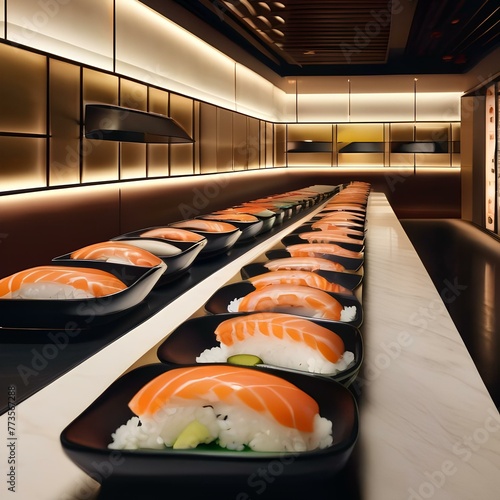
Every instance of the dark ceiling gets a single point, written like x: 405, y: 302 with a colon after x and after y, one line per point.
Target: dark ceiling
x: 348, y: 37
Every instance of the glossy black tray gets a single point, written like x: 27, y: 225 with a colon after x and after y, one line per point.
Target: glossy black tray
x: 296, y: 239
x: 308, y: 227
x: 269, y: 218
x: 177, y: 264
x: 249, y: 229
x: 218, y: 303
x: 84, y: 313
x: 348, y: 280
x: 348, y: 263
x: 217, y: 242
x: 86, y: 439
x: 192, y: 337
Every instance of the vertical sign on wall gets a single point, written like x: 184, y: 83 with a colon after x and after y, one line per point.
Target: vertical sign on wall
x: 498, y: 152
x: 490, y: 164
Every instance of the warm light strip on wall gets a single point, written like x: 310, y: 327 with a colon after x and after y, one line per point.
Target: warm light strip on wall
x: 256, y: 96
x: 3, y: 7
x: 77, y: 30
x: 379, y: 107
x: 153, y: 49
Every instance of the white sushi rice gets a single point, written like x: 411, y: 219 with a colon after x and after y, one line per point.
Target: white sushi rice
x: 230, y: 426
x: 46, y: 290
x: 291, y: 354
x: 347, y: 314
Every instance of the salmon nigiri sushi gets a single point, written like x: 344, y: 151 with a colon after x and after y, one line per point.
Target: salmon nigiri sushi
x: 172, y: 233
x: 59, y: 282
x: 233, y: 407
x: 305, y: 278
x: 315, y: 249
x: 304, y: 264
x: 283, y: 340
x: 118, y: 252
x: 210, y: 226
x: 293, y: 299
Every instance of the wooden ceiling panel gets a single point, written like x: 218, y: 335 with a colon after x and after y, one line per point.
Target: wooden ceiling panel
x: 352, y: 37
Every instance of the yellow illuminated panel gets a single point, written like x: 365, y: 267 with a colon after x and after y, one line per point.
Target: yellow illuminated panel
x: 23, y: 91
x: 356, y: 132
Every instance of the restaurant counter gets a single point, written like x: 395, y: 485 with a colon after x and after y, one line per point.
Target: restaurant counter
x: 428, y: 427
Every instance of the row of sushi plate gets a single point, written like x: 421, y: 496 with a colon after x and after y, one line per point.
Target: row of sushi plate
x: 110, y: 277
x: 262, y: 375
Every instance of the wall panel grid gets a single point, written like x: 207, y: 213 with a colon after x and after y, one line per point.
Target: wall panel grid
x: 42, y: 130
x: 42, y: 142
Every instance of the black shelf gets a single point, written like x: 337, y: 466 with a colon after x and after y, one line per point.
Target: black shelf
x: 362, y: 147
x: 310, y: 147
x: 419, y: 147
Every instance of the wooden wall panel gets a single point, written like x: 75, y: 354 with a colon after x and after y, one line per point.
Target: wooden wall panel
x: 182, y: 155
x: 224, y: 140
x: 23, y: 91
x: 65, y: 123
x: 22, y: 163
x: 208, y: 138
